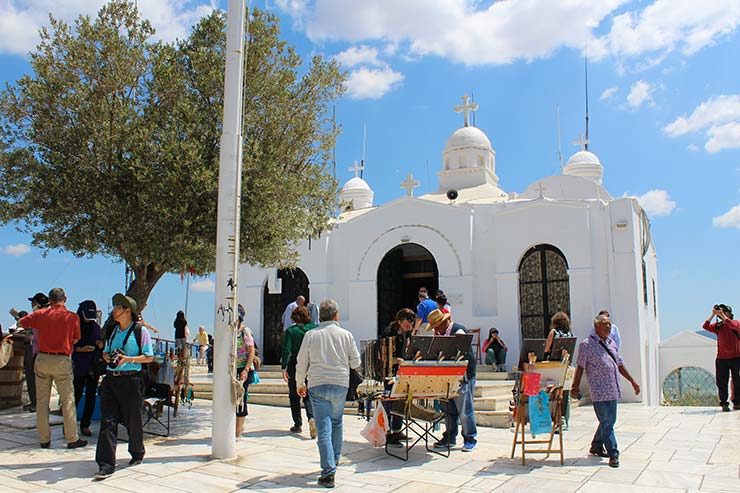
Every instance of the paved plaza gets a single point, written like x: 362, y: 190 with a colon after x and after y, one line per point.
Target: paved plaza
x: 664, y: 450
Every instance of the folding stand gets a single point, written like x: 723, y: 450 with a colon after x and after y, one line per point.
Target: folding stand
x: 558, y: 370
x: 423, y: 380
x: 157, y: 398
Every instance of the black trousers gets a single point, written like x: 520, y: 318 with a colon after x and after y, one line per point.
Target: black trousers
x: 121, y: 402
x: 89, y: 385
x: 295, y: 399
x: 28, y: 361
x: 723, y: 369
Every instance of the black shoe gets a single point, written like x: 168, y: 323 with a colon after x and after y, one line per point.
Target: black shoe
x: 79, y: 443
x: 400, y: 435
x: 442, y: 444
x: 86, y: 431
x: 31, y: 408
x: 135, y: 461
x: 327, y: 481
x: 614, y: 462
x: 296, y: 429
x: 392, y: 440
x: 726, y: 408
x: 600, y: 453
x: 46, y: 445
x: 104, y: 472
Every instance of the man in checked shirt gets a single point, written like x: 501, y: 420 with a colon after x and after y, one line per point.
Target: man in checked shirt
x: 599, y: 357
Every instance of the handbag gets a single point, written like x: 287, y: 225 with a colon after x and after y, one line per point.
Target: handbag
x: 355, y: 379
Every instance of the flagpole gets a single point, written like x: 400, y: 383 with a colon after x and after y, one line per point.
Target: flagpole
x: 227, y: 235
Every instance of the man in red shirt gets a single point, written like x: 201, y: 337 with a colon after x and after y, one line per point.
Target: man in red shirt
x: 57, y: 329
x: 728, y: 353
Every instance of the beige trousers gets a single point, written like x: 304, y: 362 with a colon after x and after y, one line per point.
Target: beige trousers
x: 51, y: 368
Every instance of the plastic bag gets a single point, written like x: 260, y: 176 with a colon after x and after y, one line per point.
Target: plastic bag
x: 531, y: 383
x: 375, y: 429
x: 540, y: 420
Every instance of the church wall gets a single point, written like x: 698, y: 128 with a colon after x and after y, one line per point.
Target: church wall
x: 485, y: 300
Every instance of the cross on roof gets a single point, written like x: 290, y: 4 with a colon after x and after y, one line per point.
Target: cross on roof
x: 465, y: 108
x: 582, y: 141
x: 356, y: 167
x: 409, y: 184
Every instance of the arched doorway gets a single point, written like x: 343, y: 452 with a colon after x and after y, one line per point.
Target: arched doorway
x: 295, y: 283
x: 543, y: 289
x: 689, y: 386
x: 401, y: 273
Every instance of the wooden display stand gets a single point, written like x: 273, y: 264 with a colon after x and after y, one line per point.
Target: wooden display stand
x: 423, y: 380
x: 558, y: 375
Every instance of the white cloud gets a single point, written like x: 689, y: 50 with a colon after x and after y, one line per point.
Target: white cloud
x: 358, y: 55
x: 465, y: 31
x: 730, y: 219
x: 608, y: 93
x: 692, y: 147
x: 296, y: 8
x: 657, y: 203
x: 16, y: 250
x: 640, y: 92
x: 203, y: 286
x: 725, y: 136
x: 714, y: 111
x: 20, y: 20
x: 669, y: 25
x: 366, y: 83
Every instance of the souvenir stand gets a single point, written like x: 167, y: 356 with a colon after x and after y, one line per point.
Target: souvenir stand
x: 553, y: 377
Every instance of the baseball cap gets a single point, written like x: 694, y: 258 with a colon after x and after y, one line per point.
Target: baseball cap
x: 39, y: 299
x: 120, y: 299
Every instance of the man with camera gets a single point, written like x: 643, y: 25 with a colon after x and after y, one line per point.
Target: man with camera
x: 728, y: 353
x: 129, y: 345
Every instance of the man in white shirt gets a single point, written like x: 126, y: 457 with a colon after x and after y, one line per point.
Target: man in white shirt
x: 287, y: 321
x: 326, y: 356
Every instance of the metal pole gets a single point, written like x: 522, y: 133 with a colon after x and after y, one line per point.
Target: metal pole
x: 187, y: 293
x: 227, y: 235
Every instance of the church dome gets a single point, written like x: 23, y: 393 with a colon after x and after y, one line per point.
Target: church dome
x: 356, y: 194
x: 468, y: 137
x: 586, y: 165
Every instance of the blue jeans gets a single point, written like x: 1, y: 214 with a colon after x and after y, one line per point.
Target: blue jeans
x: 461, y: 407
x: 328, y: 410
x: 606, y: 413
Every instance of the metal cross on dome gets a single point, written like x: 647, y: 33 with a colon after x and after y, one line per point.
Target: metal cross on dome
x: 356, y: 167
x: 409, y: 184
x: 583, y: 142
x: 465, y: 108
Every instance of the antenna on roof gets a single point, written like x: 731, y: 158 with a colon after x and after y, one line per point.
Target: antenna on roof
x: 560, y: 152
x: 364, y: 147
x: 586, y: 78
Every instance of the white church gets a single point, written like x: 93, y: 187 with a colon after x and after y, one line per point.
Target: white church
x: 505, y: 259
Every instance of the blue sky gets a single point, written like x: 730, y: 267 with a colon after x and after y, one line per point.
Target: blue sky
x: 664, y: 110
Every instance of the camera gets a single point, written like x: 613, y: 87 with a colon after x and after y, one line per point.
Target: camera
x: 115, y: 357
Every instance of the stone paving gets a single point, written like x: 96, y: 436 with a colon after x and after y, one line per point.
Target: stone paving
x: 664, y: 450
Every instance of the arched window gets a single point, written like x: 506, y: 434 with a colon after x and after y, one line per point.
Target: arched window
x: 689, y: 386
x: 543, y: 289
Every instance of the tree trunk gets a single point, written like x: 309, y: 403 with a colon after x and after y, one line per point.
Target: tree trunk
x: 145, y: 278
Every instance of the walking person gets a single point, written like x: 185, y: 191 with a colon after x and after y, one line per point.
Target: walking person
x: 291, y: 346
x: 245, y: 353
x: 85, y: 374
x: 122, y: 392
x: 599, y: 357
x: 326, y: 356
x: 201, y: 338
x: 461, y: 408
x: 56, y: 329
x: 182, y: 332
x: 727, y: 362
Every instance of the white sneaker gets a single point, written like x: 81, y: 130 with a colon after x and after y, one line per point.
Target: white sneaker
x: 312, y: 427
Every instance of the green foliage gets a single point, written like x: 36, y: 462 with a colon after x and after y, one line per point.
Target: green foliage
x: 111, y: 146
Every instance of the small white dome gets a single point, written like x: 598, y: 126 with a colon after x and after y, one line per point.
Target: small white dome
x: 468, y: 137
x: 355, y: 183
x: 586, y: 165
x: 356, y: 194
x: 583, y: 157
